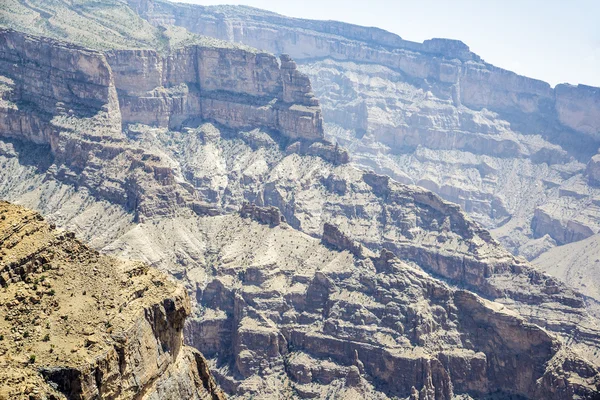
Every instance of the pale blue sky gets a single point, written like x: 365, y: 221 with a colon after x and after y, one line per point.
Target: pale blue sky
x: 553, y: 40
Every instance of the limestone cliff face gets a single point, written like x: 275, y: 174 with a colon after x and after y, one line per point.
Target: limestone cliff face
x: 578, y: 107
x: 355, y: 323
x: 63, y: 96
x: 511, y: 150
x: 235, y: 87
x: 88, y: 326
x: 77, y: 101
x: 479, y: 84
x: 43, y: 79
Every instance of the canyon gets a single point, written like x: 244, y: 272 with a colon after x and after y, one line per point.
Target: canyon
x: 241, y: 175
x: 517, y: 155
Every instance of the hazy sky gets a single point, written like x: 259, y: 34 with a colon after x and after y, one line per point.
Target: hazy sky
x: 553, y: 40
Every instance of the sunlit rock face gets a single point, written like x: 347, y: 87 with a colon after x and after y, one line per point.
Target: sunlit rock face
x: 512, y: 151
x: 97, y: 327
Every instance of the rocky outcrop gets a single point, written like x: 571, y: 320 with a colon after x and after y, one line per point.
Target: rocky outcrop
x: 232, y: 86
x: 593, y: 170
x: 264, y: 215
x: 563, y: 230
x: 83, y: 326
x: 324, y: 322
x: 334, y: 238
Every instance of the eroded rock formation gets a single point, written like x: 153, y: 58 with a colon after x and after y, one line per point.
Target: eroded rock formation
x: 371, y: 288
x: 510, y: 150
x: 327, y: 323
x: 77, y: 325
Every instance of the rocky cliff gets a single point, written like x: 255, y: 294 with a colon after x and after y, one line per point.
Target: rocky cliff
x: 235, y: 87
x: 511, y: 150
x: 341, y: 313
x: 309, y: 277
x: 79, y: 110
x: 328, y: 323
x: 78, y: 325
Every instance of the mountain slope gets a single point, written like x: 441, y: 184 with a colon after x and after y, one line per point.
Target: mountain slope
x: 512, y: 151
x: 190, y: 158
x: 575, y: 263
x: 79, y: 325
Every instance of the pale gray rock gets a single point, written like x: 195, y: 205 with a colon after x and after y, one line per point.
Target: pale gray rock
x: 510, y: 150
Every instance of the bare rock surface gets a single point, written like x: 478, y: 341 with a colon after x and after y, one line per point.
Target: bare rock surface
x: 79, y: 325
x: 279, y: 312
x: 510, y: 150
x: 367, y: 287
x: 575, y: 263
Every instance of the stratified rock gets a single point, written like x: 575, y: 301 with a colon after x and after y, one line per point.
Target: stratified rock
x: 265, y: 215
x: 334, y: 238
x: 197, y: 144
x: 323, y: 321
x: 505, y: 147
x: 80, y: 325
x: 83, y: 106
x: 232, y: 86
x: 578, y: 107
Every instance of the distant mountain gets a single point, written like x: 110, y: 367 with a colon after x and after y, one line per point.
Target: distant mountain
x: 511, y: 151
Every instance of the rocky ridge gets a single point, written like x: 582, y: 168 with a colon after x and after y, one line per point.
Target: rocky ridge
x: 280, y: 313
x: 515, y: 153
x: 78, y: 325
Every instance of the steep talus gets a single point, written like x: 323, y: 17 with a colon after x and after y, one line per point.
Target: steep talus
x: 512, y: 151
x: 309, y: 277
x: 78, y: 325
x: 576, y: 264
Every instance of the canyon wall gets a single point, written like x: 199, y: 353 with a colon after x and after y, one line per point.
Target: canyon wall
x: 235, y: 87
x: 88, y: 326
x: 76, y: 101
x: 479, y: 84
x: 332, y: 280
x: 512, y: 151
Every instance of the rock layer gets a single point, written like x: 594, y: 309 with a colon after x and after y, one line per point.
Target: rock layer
x: 280, y: 311
x: 80, y: 110
x: 511, y: 150
x: 79, y: 325
x: 366, y: 288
